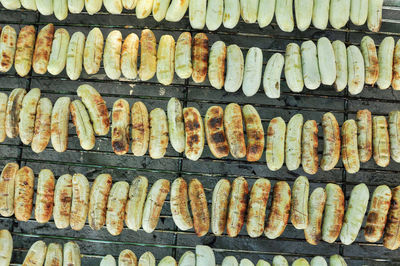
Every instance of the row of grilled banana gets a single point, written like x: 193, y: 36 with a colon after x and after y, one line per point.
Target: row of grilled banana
x: 41, y: 254
x: 55, y: 255
x: 309, y: 65
x: 321, y: 216
x: 36, y: 122
x: 204, y: 256
x: 213, y: 13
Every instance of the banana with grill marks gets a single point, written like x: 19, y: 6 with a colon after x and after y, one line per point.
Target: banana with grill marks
x: 24, y: 50
x: 59, y: 51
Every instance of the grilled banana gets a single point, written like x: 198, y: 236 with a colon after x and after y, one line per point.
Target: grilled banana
x: 293, y: 142
x: 371, y: 64
x: 331, y: 153
x: 293, y: 70
x: 394, y: 129
x: 176, y: 10
x: 358, y: 12
x: 234, y: 68
x: 23, y: 197
x: 165, y: 60
x: 339, y: 13
x: 364, y: 136
x: 160, y: 9
x: 176, y: 126
x: 76, y: 6
x: 179, y: 205
x: 98, y: 201
x: 140, y: 129
x: 219, y: 207
x: 200, y: 57
x: 198, y: 204
x: 147, y: 259
x: 303, y: 11
x: 84, y: 128
x: 148, y: 53
x: 252, y: 71
x: 284, y: 15
x: 62, y: 201
x: 13, y: 111
x: 42, y: 131
x: 120, y: 127
x: 96, y: 107
x: 316, y: 205
x: 266, y: 10
x: 391, y: 240
x: 197, y: 13
x: 275, y: 152
x: 355, y: 68
x: 75, y: 55
x: 113, y: 6
x: 93, y: 6
x: 158, y: 133
x: 385, y: 59
x: 299, y: 206
x: 27, y: 116
x: 59, y: 51
x: 115, y: 215
x: 233, y: 124
x: 309, y: 65
x: 7, y: 186
x: 3, y: 111
x: 320, y: 14
x: 129, y: 55
x: 272, y: 76
x: 6, y: 244
x: 24, y: 50
x: 326, y: 61
x: 36, y: 254
x: 194, y: 133
x: 333, y: 214
x: 134, y: 206
x: 45, y: 7
x: 54, y: 255
x: 44, y: 196
x: 374, y: 15
x: 59, y: 124
x: 237, y: 206
x: 339, y: 49
x: 350, y: 155
x: 79, y: 202
x: 204, y: 256
x: 60, y: 9
x: 8, y: 41
x: 214, y: 127
x: 231, y: 13
x: 380, y: 141
x: 143, y: 8
x: 153, y: 205
x: 216, y: 65
x: 93, y: 51
x: 215, y: 11
x: 183, y: 55
x: 112, y: 55
x: 255, y: 133
x: 396, y: 67
x: 41, y: 54
x: 127, y: 258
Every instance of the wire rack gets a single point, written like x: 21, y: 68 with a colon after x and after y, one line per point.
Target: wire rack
x: 167, y: 239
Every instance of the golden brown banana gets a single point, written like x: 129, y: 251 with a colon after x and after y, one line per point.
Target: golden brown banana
x: 396, y: 67
x: 96, y: 107
x: 44, y: 196
x: 255, y: 133
x: 41, y: 54
x: 80, y: 201
x: 256, y: 209
x: 154, y: 203
x: 27, y: 116
x: 165, y: 60
x: 143, y: 8
x: 148, y: 53
x: 216, y: 65
x: 23, y: 197
x: 134, y: 206
x: 140, y: 129
x: 331, y: 153
x: 380, y: 141
x: 7, y: 186
x: 316, y: 205
x: 120, y: 127
x: 115, y: 215
x: 364, y: 136
x: 42, y: 132
x: 333, y: 214
x: 24, y: 50
x: 237, y: 206
x: 127, y: 258
x: 147, y: 259
x: 279, y: 214
x: 394, y: 129
x: 299, y: 206
x: 59, y: 124
x: 198, y: 204
x: 368, y: 51
x: 350, y: 156
x: 391, y: 240
x: 176, y: 126
x: 62, y: 201
x: 81, y: 121
x: 98, y: 201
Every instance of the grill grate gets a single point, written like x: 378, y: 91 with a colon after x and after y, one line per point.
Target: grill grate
x: 167, y: 240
